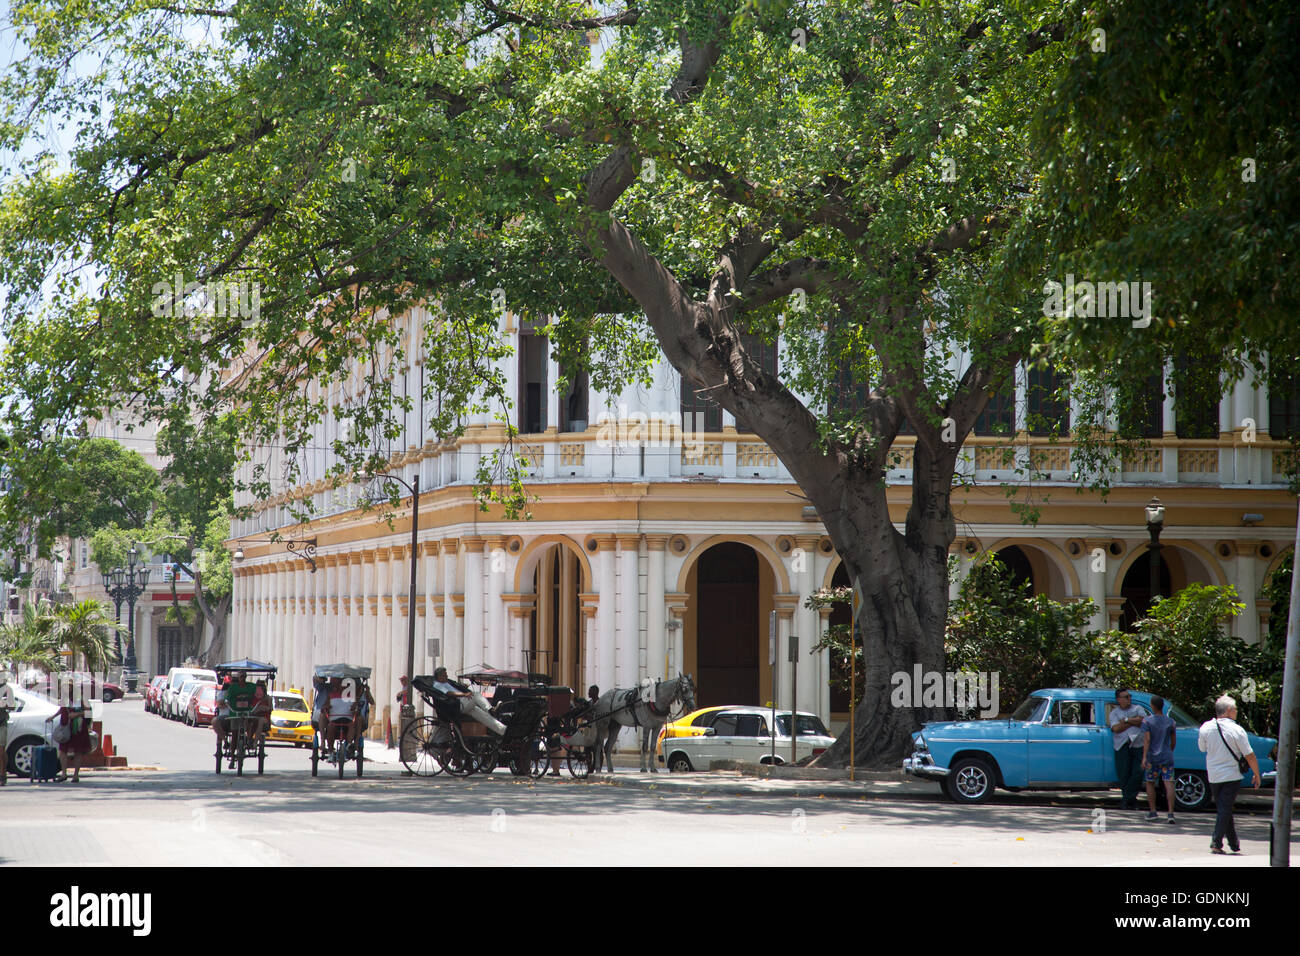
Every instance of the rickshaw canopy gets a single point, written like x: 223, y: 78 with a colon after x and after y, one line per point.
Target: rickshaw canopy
x: 251, y: 666
x: 343, y: 671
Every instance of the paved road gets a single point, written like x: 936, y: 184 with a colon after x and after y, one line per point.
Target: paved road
x: 187, y: 815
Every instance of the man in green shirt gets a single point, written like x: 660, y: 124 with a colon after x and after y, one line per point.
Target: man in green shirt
x: 235, y: 698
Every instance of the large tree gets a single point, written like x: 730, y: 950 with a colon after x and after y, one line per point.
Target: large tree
x: 852, y: 175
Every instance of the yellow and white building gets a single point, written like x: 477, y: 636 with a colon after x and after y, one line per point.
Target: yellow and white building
x: 653, y: 549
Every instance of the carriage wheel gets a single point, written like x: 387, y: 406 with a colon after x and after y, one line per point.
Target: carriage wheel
x: 579, y: 761
x: 315, y: 753
x: 427, y: 740
x: 487, y: 755
x: 458, y: 759
x: 340, y: 755
x: 261, y: 754
x: 218, y: 753
x: 531, y: 758
x: 240, y: 745
x: 361, y: 754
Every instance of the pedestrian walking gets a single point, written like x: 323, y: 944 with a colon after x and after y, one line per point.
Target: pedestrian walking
x: 1126, y: 733
x: 1227, y: 758
x: 7, y: 704
x: 1158, y: 740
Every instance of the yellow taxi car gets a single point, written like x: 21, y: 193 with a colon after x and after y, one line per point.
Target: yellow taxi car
x: 692, y: 725
x: 290, y: 719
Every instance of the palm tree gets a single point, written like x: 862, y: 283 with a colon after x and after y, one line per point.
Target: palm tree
x: 85, y: 628
x: 30, y: 640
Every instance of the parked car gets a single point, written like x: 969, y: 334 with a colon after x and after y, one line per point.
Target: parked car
x: 152, y: 694
x: 27, y: 728
x: 202, y: 706
x: 1058, y: 739
x: 744, y: 733
x: 81, y: 685
x: 186, y: 695
x: 175, y: 678
x: 290, y: 719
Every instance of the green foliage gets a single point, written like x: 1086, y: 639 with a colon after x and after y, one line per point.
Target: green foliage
x: 1182, y: 652
x: 26, y: 641
x: 1277, y: 589
x: 1030, y: 641
x: 36, y: 638
x: 838, y: 642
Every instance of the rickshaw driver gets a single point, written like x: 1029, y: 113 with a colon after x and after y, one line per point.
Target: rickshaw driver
x: 236, y: 696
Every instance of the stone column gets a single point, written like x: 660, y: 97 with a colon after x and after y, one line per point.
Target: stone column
x: 383, y: 610
x: 1095, y: 580
x: 803, y: 580
x: 496, y: 644
x: 629, y: 670
x: 431, y: 608
x: 477, y: 647
x: 655, y: 619
x: 367, y: 609
x: 1246, y: 625
x: 591, y: 665
x: 606, y: 646
x: 453, y: 647
x: 348, y: 648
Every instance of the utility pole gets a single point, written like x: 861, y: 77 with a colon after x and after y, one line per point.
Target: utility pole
x: 1288, y: 734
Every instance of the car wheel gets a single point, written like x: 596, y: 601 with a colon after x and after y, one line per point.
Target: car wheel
x: 22, y: 754
x: 679, y: 763
x: 1191, y: 789
x: 971, y: 780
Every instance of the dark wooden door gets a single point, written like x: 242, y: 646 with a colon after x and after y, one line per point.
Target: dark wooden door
x: 727, y: 626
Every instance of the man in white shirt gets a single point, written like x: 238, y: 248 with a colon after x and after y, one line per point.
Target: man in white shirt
x: 471, y: 705
x: 1126, y: 731
x: 1223, y: 741
x: 7, y: 705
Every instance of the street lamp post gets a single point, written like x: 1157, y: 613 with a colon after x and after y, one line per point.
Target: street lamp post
x: 1155, y: 524
x: 127, y: 584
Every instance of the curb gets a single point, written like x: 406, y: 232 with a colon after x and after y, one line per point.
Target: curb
x: 713, y: 784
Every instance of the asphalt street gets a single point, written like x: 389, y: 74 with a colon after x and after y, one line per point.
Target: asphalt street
x: 186, y: 815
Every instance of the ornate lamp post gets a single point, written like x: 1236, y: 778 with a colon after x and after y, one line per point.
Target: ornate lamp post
x: 1155, y: 524
x: 127, y: 584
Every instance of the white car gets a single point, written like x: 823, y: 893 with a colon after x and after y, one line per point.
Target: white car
x: 175, y: 678
x: 745, y: 733
x: 27, y: 728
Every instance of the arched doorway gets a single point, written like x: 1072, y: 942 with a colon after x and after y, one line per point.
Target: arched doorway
x: 1136, y: 589
x: 1019, y: 567
x: 556, y: 617
x: 727, y: 625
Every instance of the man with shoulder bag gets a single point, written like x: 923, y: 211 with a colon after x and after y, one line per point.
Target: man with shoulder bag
x: 1228, y: 757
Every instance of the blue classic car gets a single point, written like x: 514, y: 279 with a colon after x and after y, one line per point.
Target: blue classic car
x: 1058, y: 739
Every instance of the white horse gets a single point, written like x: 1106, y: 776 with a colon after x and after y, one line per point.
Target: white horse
x: 648, y: 707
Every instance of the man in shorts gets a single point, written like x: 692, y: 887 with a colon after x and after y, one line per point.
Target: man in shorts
x: 1158, y: 738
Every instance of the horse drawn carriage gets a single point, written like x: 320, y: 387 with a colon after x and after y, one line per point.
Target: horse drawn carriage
x: 340, y: 715
x: 510, y: 728
x: 243, y: 712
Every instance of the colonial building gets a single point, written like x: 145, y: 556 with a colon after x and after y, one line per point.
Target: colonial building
x: 655, y: 548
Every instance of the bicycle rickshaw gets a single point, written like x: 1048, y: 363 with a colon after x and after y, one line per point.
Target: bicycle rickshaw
x: 339, y: 718
x: 240, y: 739
x: 446, y: 741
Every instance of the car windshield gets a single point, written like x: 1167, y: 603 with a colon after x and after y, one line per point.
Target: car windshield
x: 286, y: 702
x: 1031, y: 710
x: 808, y: 725
x: 1181, y: 717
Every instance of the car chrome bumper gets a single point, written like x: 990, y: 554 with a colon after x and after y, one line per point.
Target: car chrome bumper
x: 922, y: 765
